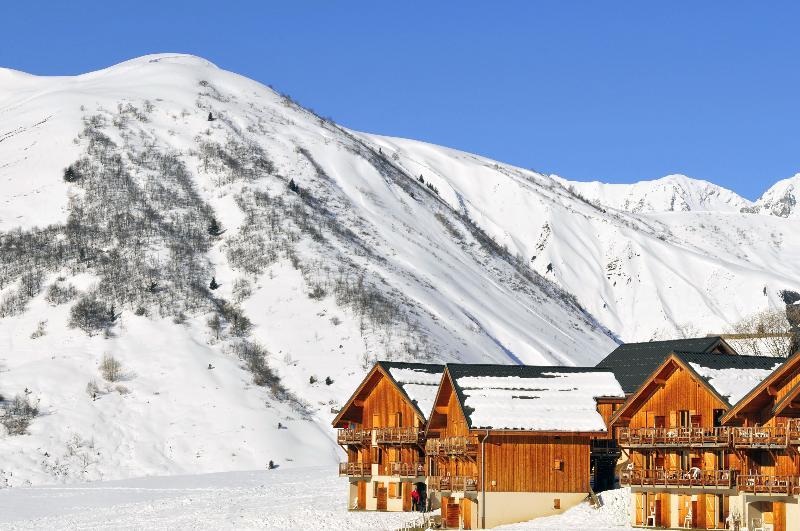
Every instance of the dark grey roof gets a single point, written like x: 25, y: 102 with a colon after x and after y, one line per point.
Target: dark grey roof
x: 633, y: 363
x: 727, y: 361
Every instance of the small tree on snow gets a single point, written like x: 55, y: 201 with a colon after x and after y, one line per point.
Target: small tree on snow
x: 210, y: 117
x: 110, y: 368
x: 214, y: 228
x: 293, y: 186
x: 70, y: 175
x: 213, y: 285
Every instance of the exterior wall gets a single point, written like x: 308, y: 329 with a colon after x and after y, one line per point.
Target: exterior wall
x: 512, y: 507
x: 537, y: 463
x: 393, y: 503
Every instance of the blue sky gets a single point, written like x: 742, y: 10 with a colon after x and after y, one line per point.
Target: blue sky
x: 613, y: 91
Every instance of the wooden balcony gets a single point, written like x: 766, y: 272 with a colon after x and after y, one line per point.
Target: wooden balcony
x: 761, y: 437
x: 355, y: 470
x: 452, y: 447
x: 354, y: 436
x: 691, y: 479
x: 794, y: 431
x: 718, y: 437
x: 454, y: 483
x: 398, y: 436
x: 407, y: 470
x: 779, y: 485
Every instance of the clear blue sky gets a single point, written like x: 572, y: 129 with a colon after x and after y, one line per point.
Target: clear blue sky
x: 613, y: 91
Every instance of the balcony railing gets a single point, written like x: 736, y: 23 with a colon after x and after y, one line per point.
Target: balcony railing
x: 692, y: 478
x: 759, y: 484
x: 794, y: 431
x: 356, y: 470
x: 769, y: 437
x: 354, y: 436
x: 407, y: 470
x: 674, y: 437
x: 397, y: 436
x: 454, y: 483
x: 452, y: 447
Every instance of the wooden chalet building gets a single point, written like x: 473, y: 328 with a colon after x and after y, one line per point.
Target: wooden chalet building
x: 765, y: 435
x: 509, y: 443
x: 381, y: 429
x: 681, y: 462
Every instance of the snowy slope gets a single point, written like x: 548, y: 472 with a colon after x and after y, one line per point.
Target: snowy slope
x: 655, y: 273
x: 361, y: 262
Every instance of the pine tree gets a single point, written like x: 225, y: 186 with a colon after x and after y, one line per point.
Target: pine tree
x: 293, y: 186
x: 210, y: 117
x: 421, y: 179
x: 70, y: 175
x: 214, y: 228
x: 213, y: 284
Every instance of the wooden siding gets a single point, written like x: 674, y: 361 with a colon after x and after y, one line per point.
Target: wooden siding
x: 382, y: 405
x: 536, y: 463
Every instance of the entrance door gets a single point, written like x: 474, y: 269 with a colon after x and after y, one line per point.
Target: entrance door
x: 381, y: 494
x: 362, y: 495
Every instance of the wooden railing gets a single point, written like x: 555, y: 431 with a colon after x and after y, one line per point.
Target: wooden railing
x: 354, y: 436
x: 674, y: 437
x: 454, y: 483
x: 452, y: 446
x: 357, y: 469
x: 760, y: 437
x: 395, y: 436
x: 407, y: 470
x: 692, y: 478
x: 759, y: 484
x: 794, y: 431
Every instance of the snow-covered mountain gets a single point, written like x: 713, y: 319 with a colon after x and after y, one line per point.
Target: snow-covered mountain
x: 781, y: 199
x: 673, y: 193
x: 246, y: 260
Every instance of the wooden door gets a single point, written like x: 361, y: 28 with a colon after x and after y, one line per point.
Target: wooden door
x: 407, y: 488
x: 382, y: 494
x: 683, y: 509
x: 779, y: 516
x: 640, y: 505
x: 453, y: 516
x: 657, y: 505
x: 445, y: 501
x: 362, y: 495
x: 711, y: 512
x: 666, y: 515
x: 466, y: 513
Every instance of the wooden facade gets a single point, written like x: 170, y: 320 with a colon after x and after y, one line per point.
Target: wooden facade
x: 466, y: 464
x: 693, y: 460
x: 382, y: 433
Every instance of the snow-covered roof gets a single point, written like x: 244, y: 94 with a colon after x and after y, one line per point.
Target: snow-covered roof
x: 734, y: 383
x: 533, y: 398
x: 420, y: 381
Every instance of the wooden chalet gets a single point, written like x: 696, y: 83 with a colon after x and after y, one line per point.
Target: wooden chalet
x: 509, y: 443
x: 680, y: 460
x: 381, y: 429
x: 765, y: 435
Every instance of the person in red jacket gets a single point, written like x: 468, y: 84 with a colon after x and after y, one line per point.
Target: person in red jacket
x: 415, y: 500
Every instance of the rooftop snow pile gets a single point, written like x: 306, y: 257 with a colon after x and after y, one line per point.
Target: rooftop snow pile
x: 534, y: 399
x: 734, y: 383
x: 420, y: 383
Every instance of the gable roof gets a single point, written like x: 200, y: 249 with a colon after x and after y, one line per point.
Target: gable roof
x: 418, y: 382
x: 726, y: 376
x: 633, y: 363
x: 761, y: 394
x: 532, y: 398
x: 731, y: 376
x: 414, y: 381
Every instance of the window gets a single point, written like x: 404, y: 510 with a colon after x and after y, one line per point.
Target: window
x: 376, y: 420
x: 557, y: 503
x: 718, y: 413
x: 659, y: 421
x: 398, y: 420
x: 684, y: 419
x: 395, y: 490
